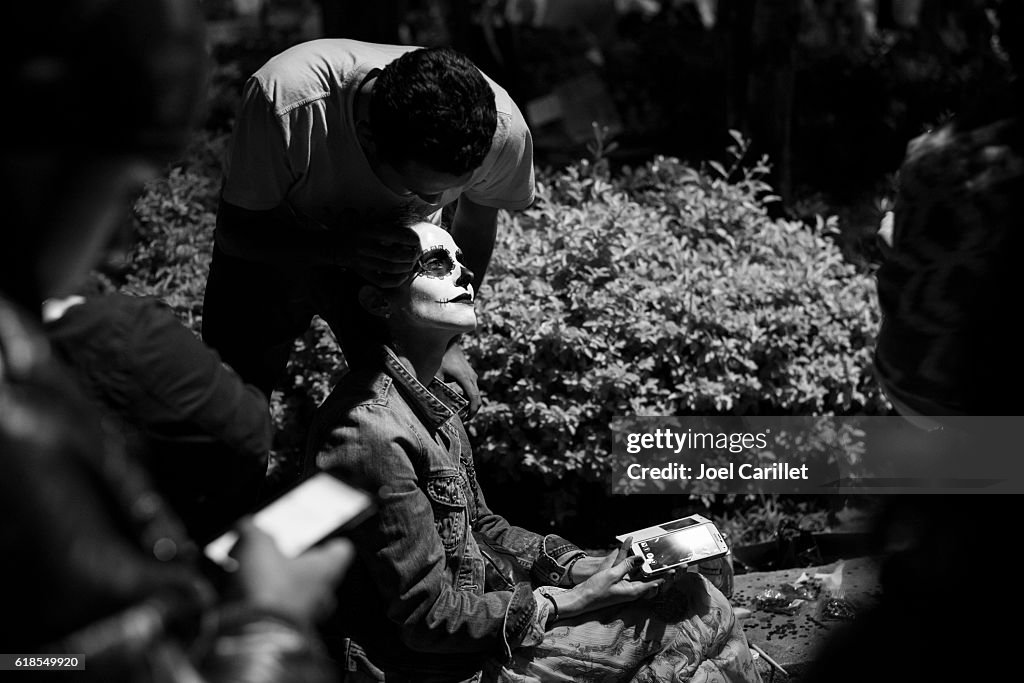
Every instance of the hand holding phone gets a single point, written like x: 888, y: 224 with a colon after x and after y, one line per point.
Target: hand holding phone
x: 611, y: 585
x: 301, y: 588
x: 302, y: 517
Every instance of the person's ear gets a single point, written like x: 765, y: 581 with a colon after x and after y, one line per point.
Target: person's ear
x: 374, y: 302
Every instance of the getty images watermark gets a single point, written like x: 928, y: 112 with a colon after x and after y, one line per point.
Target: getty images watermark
x: 665, y: 439
x: 813, y: 455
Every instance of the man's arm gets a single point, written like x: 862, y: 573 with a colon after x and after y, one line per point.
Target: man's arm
x: 381, y: 253
x: 474, y: 229
x: 277, y: 236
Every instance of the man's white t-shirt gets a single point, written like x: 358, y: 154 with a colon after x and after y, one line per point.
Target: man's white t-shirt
x: 295, y: 140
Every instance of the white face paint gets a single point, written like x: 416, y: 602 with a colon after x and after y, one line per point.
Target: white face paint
x: 440, y: 294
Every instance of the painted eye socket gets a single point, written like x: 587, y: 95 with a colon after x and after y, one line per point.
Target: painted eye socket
x: 436, y: 262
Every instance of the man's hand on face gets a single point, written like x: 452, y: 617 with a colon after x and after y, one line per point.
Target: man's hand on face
x: 382, y: 253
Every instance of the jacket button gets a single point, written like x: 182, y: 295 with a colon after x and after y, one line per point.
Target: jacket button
x: 554, y: 576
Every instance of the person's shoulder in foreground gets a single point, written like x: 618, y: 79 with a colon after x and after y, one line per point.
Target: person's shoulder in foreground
x: 139, y: 358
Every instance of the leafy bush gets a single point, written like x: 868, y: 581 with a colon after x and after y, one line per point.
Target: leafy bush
x: 174, y: 221
x: 662, y: 290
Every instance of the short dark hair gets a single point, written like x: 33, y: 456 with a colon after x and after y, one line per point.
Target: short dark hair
x: 434, y: 107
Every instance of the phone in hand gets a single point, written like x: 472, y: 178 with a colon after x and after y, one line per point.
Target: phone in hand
x: 686, y: 544
x: 303, y: 516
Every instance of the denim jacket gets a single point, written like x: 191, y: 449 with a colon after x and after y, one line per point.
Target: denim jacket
x: 422, y: 565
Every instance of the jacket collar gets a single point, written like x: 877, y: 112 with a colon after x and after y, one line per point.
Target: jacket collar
x: 434, y: 404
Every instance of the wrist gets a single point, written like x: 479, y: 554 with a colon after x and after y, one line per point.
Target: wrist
x: 554, y: 612
x: 575, y: 572
x: 572, y: 601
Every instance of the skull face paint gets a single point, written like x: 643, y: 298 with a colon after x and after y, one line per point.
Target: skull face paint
x: 439, y: 296
x: 436, y: 262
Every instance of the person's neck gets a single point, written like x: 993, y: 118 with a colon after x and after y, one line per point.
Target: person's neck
x: 423, y: 355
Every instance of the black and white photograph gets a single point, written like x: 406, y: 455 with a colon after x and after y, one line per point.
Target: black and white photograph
x: 511, y: 341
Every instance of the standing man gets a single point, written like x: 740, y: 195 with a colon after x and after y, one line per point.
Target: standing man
x: 334, y: 141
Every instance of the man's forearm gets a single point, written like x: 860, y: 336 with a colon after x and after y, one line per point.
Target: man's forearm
x: 474, y: 228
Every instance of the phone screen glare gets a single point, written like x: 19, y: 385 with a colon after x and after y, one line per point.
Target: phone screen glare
x: 674, y: 549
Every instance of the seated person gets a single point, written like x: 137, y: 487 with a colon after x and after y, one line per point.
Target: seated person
x: 443, y: 588
x: 203, y: 434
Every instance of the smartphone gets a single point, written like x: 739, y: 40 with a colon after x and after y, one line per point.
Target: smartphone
x: 681, y: 547
x: 302, y: 517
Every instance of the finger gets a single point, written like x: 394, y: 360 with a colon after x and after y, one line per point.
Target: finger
x: 246, y: 525
x: 377, y: 261
x: 608, y: 561
x: 382, y: 279
x: 388, y: 252
x: 251, y: 539
x: 394, y: 234
x: 652, y: 589
x: 474, y: 404
x: 624, y: 550
x: 386, y: 249
x: 252, y: 547
x: 885, y: 228
x: 623, y: 568
x: 385, y: 281
x: 471, y: 391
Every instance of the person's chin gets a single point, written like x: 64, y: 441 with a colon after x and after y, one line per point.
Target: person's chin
x: 450, y: 324
x: 466, y: 323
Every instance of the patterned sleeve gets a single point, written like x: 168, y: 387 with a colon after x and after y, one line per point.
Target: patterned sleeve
x: 546, y: 559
